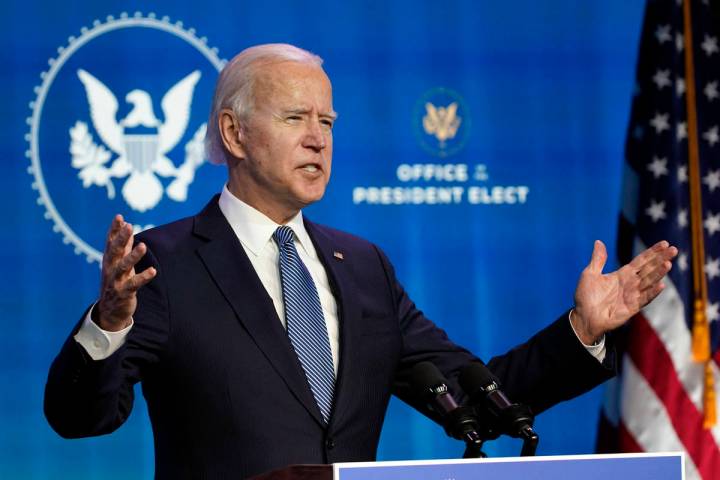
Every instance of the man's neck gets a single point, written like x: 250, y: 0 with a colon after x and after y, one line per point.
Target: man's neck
x: 277, y: 214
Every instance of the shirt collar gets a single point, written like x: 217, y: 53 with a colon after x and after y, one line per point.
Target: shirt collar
x: 254, y: 229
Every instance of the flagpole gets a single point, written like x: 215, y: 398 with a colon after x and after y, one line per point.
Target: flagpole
x: 701, y: 328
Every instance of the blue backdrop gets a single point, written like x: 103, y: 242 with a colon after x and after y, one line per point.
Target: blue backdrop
x: 479, y: 143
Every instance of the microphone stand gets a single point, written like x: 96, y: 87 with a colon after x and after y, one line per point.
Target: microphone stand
x: 461, y: 424
x: 530, y: 442
x: 473, y: 448
x: 521, y: 427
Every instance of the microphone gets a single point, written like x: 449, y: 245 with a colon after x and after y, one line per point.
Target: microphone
x: 430, y: 383
x: 510, y: 418
x: 459, y: 422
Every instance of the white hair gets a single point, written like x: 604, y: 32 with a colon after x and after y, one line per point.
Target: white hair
x: 236, y: 84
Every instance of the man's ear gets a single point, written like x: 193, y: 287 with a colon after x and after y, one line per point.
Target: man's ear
x: 231, y: 133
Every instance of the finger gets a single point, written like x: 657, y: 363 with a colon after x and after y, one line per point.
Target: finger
x: 119, y: 243
x: 115, y: 225
x: 142, y: 278
x: 660, y: 249
x: 650, y: 294
x: 660, y: 261
x: 128, y: 262
x: 651, y: 276
x: 127, y: 248
x: 599, y: 257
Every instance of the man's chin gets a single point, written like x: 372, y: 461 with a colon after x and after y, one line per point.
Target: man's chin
x: 308, y: 197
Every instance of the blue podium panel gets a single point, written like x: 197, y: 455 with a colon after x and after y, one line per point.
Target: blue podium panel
x: 658, y: 466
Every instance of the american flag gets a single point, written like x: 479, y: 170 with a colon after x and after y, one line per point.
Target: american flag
x: 664, y: 397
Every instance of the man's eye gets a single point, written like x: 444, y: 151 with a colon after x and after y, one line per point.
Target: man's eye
x: 293, y: 118
x: 327, y: 123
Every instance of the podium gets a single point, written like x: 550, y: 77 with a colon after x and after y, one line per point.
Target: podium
x: 298, y: 472
x: 643, y: 466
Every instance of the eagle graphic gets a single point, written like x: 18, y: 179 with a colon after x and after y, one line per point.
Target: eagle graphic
x: 443, y: 122
x: 140, y: 141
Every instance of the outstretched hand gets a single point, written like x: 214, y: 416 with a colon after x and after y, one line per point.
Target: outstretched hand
x: 119, y: 282
x: 604, y: 302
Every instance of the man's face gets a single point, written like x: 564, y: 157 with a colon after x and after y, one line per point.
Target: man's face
x: 286, y: 140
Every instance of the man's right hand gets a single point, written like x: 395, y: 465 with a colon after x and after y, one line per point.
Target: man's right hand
x: 120, y: 283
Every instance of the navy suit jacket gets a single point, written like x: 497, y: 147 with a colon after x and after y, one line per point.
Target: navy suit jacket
x: 226, y: 394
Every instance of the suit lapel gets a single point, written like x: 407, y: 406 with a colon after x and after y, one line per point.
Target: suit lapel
x: 340, y: 274
x: 230, y: 268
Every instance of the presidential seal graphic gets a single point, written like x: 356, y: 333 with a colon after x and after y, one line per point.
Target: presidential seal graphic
x: 118, y: 126
x: 442, y: 122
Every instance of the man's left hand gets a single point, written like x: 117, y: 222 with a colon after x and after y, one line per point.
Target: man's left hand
x: 604, y: 302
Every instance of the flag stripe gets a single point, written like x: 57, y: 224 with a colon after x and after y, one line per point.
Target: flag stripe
x: 641, y: 408
x: 652, y: 361
x: 627, y: 441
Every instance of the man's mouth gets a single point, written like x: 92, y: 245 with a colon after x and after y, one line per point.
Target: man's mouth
x: 311, y: 168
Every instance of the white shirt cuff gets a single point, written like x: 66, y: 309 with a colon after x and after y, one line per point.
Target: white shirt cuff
x: 99, y: 343
x: 597, y: 350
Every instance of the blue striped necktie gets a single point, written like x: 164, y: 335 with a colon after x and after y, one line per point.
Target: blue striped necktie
x: 305, y: 322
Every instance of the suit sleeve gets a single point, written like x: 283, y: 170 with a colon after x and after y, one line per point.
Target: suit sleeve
x: 552, y: 366
x: 84, y: 397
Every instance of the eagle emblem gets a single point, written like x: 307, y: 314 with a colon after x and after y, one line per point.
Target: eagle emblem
x: 138, y: 144
x: 442, y: 122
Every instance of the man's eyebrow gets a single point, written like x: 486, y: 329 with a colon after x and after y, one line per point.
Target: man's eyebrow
x: 298, y: 110
x: 303, y: 110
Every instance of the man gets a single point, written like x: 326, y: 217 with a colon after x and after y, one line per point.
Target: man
x: 259, y: 345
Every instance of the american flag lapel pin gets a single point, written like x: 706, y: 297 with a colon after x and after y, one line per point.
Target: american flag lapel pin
x: 338, y: 255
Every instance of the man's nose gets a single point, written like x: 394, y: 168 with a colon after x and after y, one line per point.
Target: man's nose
x: 315, y: 136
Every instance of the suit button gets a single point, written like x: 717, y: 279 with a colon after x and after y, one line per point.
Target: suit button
x: 330, y: 443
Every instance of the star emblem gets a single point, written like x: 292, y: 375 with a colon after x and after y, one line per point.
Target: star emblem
x: 710, y: 45
x: 712, y: 268
x: 679, y: 86
x: 682, y: 261
x: 712, y: 311
x: 656, y: 211
x: 663, y: 34
x: 681, y: 131
x: 658, y: 167
x: 712, y: 136
x: 660, y: 122
x: 711, y: 91
x: 712, y: 223
x: 712, y: 180
x: 679, y: 42
x: 682, y: 218
x: 662, y: 79
x: 682, y: 174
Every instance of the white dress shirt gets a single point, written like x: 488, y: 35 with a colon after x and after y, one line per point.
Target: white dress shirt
x: 255, y: 230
